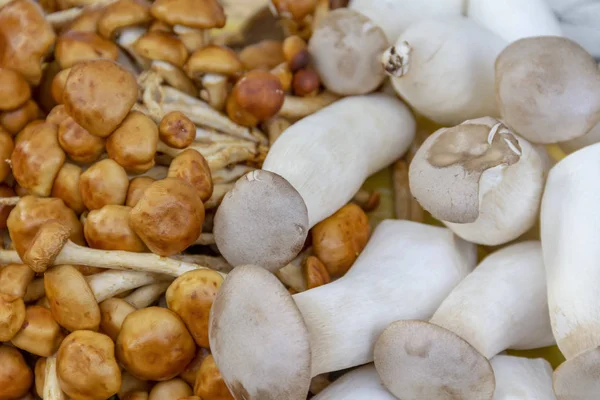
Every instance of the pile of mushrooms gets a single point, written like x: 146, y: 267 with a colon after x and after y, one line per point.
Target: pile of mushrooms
x: 322, y: 199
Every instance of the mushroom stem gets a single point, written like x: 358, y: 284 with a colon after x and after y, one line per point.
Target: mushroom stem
x: 275, y: 127
x: 216, y: 263
x: 147, y: 295
x: 193, y: 39
x: 205, y: 239
x: 291, y: 275
x: 396, y: 59
x: 209, y: 149
x: 9, y: 257
x: 227, y: 175
x: 9, y: 201
x: 295, y: 108
x: 127, y: 38
x: 214, y: 90
x: 219, y: 191
x: 361, y: 383
x: 522, y: 378
x: 61, y: 18
x: 112, y: 283
x: 52, y: 390
x: 174, y: 77
x: 405, y: 205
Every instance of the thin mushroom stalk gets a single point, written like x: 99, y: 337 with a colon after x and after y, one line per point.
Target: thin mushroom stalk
x: 359, y: 384
x: 295, y: 107
x: 313, y: 169
x: 481, y: 179
x: 111, y: 283
x: 569, y: 234
x: 147, y: 295
x: 522, y: 378
x: 501, y: 305
x: 445, y: 69
x: 404, y: 272
x: 52, y: 390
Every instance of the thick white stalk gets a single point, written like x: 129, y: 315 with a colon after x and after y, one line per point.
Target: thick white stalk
x: 522, y: 378
x: 359, y: 384
x: 111, y: 283
x: 147, y: 295
x: 52, y: 390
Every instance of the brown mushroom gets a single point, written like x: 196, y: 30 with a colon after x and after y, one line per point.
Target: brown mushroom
x: 86, y: 366
x: 40, y: 334
x: 5, y: 210
x: 201, y: 14
x: 191, y: 371
x: 284, y: 74
x: 173, y: 389
x: 15, y: 375
x: 133, y: 144
x: 168, y: 217
x: 213, y: 59
x: 306, y: 83
x: 154, y: 344
x: 266, y: 54
x: 37, y: 158
x: 79, y: 144
x: 339, y: 239
x: 12, y: 316
x: 74, y: 47
x: 6, y: 148
x: 105, y: 182
x: 123, y: 14
x: 191, y: 167
x: 177, y: 130
x: 25, y: 37
x: 39, y: 376
x: 295, y: 51
x: 113, y: 312
x: 315, y: 273
x: 137, y: 187
x: 57, y: 88
x: 87, y: 21
x: 14, y: 121
x: 260, y: 93
x: 72, y: 302
x: 14, y: 279
x: 57, y: 115
x: 14, y: 90
x: 66, y: 187
x: 98, y: 95
x: 295, y: 9
x: 32, y: 212
x: 108, y: 228
x: 209, y: 382
x: 161, y: 46
x: 191, y: 297
x: 131, y: 384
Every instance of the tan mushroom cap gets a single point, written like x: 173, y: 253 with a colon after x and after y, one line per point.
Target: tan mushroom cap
x: 419, y: 360
x: 99, y: 94
x: 40, y: 335
x: 260, y: 93
x: 190, y: 166
x: 86, y: 366
x: 578, y: 378
x: 46, y: 245
x: 72, y: 302
x: 154, y: 344
x: 123, y: 14
x: 137, y: 187
x: 104, y: 183
x: 258, y: 337
x: 57, y: 87
x: 14, y: 90
x: 209, y: 382
x: 74, y: 47
x: 6, y: 149
x: 32, y: 212
x: 161, y: 46
x: 177, y: 130
x: 15, y: 120
x: 108, y: 229
x: 12, y: 316
x: 215, y: 60
x: 173, y: 389
x: 15, y: 375
x: 262, y: 220
x: 87, y: 21
x: 66, y: 187
x: 266, y: 54
x: 37, y: 158
x: 14, y: 279
x: 190, y: 372
x: 113, y: 312
x: 78, y: 143
x: 201, y: 14
x: 25, y: 38
x: 5, y: 191
x: 57, y: 115
x: 168, y: 217
x: 133, y: 144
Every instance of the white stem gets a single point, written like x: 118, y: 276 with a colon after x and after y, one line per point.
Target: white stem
x: 295, y: 108
x: 127, y: 38
x: 205, y: 239
x: 174, y: 77
x: 522, y: 378
x: 215, y: 90
x: 61, y: 18
x: 359, y: 384
x: 9, y: 257
x: 209, y: 149
x: 219, y: 191
x: 9, y: 201
x: 52, y: 390
x: 111, y: 283
x: 216, y: 263
x: 227, y: 175
x: 147, y: 295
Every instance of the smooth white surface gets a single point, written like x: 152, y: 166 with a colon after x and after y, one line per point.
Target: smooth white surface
x: 360, y: 384
x: 519, y: 378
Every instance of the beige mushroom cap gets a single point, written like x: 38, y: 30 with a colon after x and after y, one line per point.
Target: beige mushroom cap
x: 201, y: 14
x: 214, y: 59
x: 418, y: 360
x: 14, y: 90
x: 258, y: 337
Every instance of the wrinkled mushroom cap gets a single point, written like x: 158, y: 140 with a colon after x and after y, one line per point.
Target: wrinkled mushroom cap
x: 105, y: 182
x: 161, y: 46
x: 263, y: 220
x: 134, y: 142
x: 74, y: 47
x: 79, y: 144
x: 86, y: 366
x: 40, y: 334
x: 66, y: 187
x: 258, y: 337
x: 201, y: 14
x: 14, y: 90
x: 46, y: 246
x: 99, y: 94
x: 123, y: 14
x: 577, y: 378
x: 215, y: 60
x: 108, y: 229
x: 15, y: 375
x: 418, y: 360
x: 190, y: 166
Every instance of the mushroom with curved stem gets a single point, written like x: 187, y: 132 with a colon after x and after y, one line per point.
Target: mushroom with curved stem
x: 351, y: 139
x: 112, y: 283
x: 52, y: 390
x: 482, y: 180
x: 174, y: 76
x: 322, y: 329
x: 502, y: 304
x: 518, y: 377
x: 445, y: 69
x: 147, y: 295
x: 295, y: 108
x: 568, y: 242
x: 361, y: 383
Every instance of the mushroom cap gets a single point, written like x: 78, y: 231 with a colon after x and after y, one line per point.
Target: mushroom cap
x: 58, y: 113
x: 5, y: 191
x: 12, y: 316
x: 79, y: 144
x: 213, y: 59
x: 123, y: 14
x: 173, y: 389
x: 190, y: 166
x: 40, y: 335
x: 15, y: 375
x: 40, y: 376
x: 209, y: 383
x: 578, y: 377
x: 266, y: 54
x: 14, y: 121
x: 263, y: 220
x: 136, y: 189
x: 260, y: 93
x: 103, y: 183
x: 73, y: 47
x: 113, y: 312
x: 201, y: 14
x: 14, y: 90
x: 258, y: 337
x: 6, y: 148
x: 108, y: 228
x: 161, y: 46
x: 177, y: 130
x: 57, y: 87
x: 345, y: 48
x: 14, y: 279
x: 419, y: 360
x: 66, y: 187
x: 134, y: 142
x: 540, y: 86
x: 99, y: 111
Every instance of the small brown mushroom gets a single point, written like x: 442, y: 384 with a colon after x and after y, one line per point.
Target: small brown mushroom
x: 123, y: 14
x: 5, y: 210
x: 260, y: 93
x: 14, y: 90
x: 57, y: 115
x: 237, y: 114
x: 191, y: 371
x: 12, y: 316
x: 6, y: 148
x: 173, y: 389
x: 57, y: 88
x: 213, y: 59
x: 40, y: 334
x: 14, y: 279
x: 133, y: 144
x: 86, y: 366
x: 99, y: 94
x: 176, y: 130
x: 105, y: 182
x: 315, y: 273
x: 14, y: 121
x: 209, y: 382
x: 79, y: 144
x: 161, y: 46
x: 191, y: 297
x: 130, y: 384
x: 266, y: 54
x: 113, y: 312
x: 37, y: 158
x: 154, y: 344
x: 295, y: 51
x: 306, y: 83
x: 66, y: 187
x: 168, y: 217
x: 284, y: 74
x: 108, y: 228
x: 87, y: 21
x: 137, y: 187
x: 40, y: 376
x: 72, y: 302
x: 15, y: 375
x: 190, y: 166
x: 201, y: 14
x: 74, y: 47
x: 339, y: 239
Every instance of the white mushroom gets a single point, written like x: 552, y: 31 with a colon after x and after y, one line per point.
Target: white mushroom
x: 359, y: 384
x: 269, y: 344
x: 445, y: 69
x: 522, y: 378
x: 586, y: 36
x: 593, y: 136
x: 502, y: 304
x: 481, y: 179
x: 312, y: 170
x: 570, y: 243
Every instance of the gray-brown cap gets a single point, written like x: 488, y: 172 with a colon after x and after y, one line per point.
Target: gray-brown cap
x: 258, y: 337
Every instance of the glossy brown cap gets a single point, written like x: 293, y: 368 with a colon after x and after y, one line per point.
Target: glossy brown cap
x: 74, y: 47
x: 108, y: 229
x: 201, y: 14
